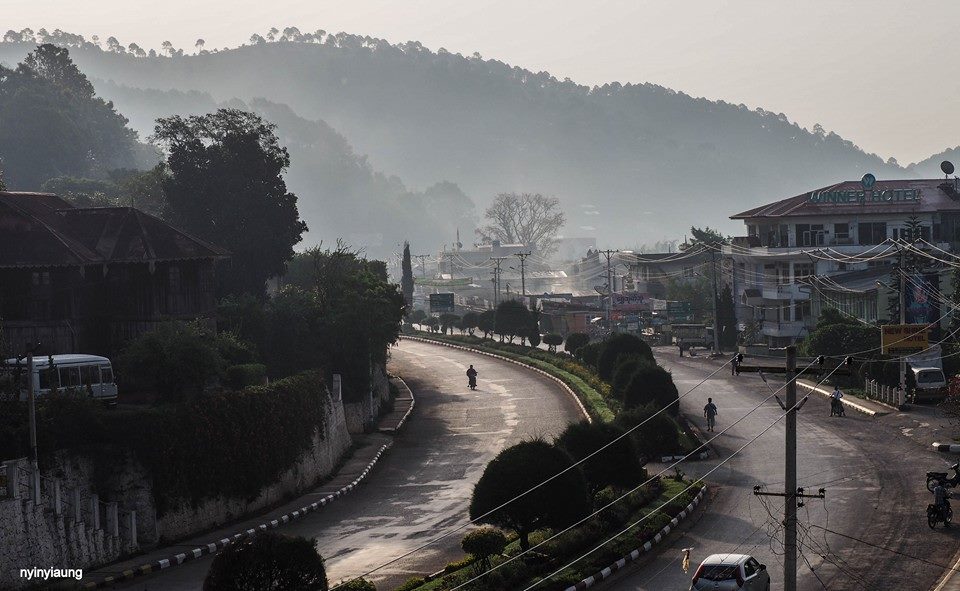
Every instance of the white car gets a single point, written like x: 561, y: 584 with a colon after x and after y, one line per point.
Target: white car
x: 731, y: 572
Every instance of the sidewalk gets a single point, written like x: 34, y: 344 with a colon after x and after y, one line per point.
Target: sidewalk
x: 367, y: 450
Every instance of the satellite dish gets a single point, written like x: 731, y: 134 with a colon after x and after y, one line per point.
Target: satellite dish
x: 947, y: 167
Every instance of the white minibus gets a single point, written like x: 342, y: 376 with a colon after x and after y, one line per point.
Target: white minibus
x: 89, y: 374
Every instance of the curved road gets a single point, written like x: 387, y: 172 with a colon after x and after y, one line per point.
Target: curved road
x: 422, y: 486
x: 874, y: 482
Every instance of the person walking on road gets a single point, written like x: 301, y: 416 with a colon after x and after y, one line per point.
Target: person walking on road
x: 710, y: 411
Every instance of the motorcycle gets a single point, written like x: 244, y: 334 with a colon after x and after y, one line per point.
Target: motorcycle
x: 836, y: 407
x: 472, y: 382
x: 935, y: 478
x: 937, y: 514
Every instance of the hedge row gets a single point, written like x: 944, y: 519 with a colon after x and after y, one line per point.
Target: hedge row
x: 593, y: 392
x: 225, y: 443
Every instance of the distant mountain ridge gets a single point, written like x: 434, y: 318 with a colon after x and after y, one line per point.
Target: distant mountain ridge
x: 630, y: 163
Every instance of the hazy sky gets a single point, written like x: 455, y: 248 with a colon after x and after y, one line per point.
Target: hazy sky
x: 880, y: 73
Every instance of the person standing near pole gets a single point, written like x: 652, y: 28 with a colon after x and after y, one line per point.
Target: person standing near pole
x: 710, y: 411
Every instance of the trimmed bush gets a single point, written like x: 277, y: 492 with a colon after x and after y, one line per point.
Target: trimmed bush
x: 553, y: 340
x: 239, y: 377
x: 617, y: 345
x: 617, y: 465
x: 411, y: 583
x: 589, y: 354
x: 518, y: 469
x: 575, y: 341
x: 660, y: 436
x: 267, y: 561
x: 482, y: 543
x: 623, y: 373
x: 651, y: 384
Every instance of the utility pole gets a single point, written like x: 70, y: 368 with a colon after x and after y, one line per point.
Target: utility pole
x: 497, y: 261
x: 792, y: 495
x: 523, y: 279
x: 32, y: 418
x: 790, y: 477
x: 716, y: 317
x: 903, y: 320
x: 423, y: 267
x: 608, y: 253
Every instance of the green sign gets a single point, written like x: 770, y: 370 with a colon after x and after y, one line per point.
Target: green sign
x: 866, y: 196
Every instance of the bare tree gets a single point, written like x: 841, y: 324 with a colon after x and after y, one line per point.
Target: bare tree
x: 530, y: 219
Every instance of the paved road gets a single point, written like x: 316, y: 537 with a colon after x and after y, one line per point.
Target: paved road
x: 422, y: 486
x: 875, y: 492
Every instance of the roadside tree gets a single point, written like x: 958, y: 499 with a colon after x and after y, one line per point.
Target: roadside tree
x: 651, y: 384
x: 553, y: 341
x: 617, y: 465
x: 529, y: 219
x: 482, y: 543
x: 620, y: 344
x: 518, y: 469
x: 512, y: 319
x: 225, y: 185
x: 486, y: 322
x: 575, y: 341
x: 268, y: 561
x: 659, y: 436
x: 406, y: 281
x: 470, y: 322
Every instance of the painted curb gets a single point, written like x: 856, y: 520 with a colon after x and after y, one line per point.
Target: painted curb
x: 569, y: 390
x: 953, y: 448
x: 647, y: 546
x: 406, y: 415
x: 217, y: 546
x: 844, y: 401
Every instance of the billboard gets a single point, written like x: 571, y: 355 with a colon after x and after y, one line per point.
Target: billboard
x: 919, y: 303
x: 904, y: 338
x: 441, y: 302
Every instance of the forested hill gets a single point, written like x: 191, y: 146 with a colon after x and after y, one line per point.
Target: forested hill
x: 635, y: 162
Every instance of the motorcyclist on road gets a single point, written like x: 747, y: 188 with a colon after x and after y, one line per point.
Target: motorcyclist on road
x: 472, y: 377
x: 835, y: 404
x: 940, y: 498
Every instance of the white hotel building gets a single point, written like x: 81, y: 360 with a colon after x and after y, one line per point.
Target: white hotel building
x: 794, y: 259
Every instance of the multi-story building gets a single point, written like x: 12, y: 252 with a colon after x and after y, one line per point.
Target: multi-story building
x: 832, y: 247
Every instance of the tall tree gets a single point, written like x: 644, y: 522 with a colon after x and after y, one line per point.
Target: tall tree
x: 528, y: 219
x: 225, y: 184
x: 406, y: 282
x: 705, y: 236
x: 52, y: 123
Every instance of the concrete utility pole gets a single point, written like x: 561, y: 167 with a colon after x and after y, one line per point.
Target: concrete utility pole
x: 609, y: 253
x: 903, y: 320
x: 716, y: 296
x: 423, y: 265
x: 523, y: 279
x: 497, y: 261
x: 790, y: 477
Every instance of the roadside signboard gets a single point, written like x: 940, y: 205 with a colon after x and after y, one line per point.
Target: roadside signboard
x: 680, y: 311
x: 441, y: 302
x: 904, y: 338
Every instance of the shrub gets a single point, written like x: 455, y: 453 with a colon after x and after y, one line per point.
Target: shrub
x: 660, y: 436
x: 623, y: 373
x: 512, y: 319
x: 482, y: 543
x: 175, y: 361
x: 249, y: 374
x: 575, y: 341
x: 411, y: 583
x: 589, y: 354
x: 617, y: 345
x: 651, y: 384
x: 359, y: 584
x: 617, y: 465
x: 553, y: 340
x: 534, y: 337
x: 418, y: 316
x: 518, y: 469
x: 470, y: 322
x: 448, y: 322
x: 267, y: 561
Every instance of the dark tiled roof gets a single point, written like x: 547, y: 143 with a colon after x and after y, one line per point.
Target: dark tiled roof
x: 932, y: 198
x: 45, y: 230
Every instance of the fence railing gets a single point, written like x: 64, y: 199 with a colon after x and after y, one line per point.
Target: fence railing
x: 891, y: 395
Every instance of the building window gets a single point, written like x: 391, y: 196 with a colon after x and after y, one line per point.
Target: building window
x: 841, y: 234
x: 41, y: 278
x: 803, y: 310
x: 872, y: 232
x: 802, y: 272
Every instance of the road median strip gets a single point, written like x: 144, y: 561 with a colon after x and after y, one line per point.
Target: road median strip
x: 642, y: 550
x: 953, y: 448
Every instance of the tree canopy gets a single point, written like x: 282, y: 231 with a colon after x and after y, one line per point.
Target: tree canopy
x: 53, y: 124
x: 617, y: 345
x: 225, y: 185
x: 267, y: 561
x: 617, y: 465
x: 518, y: 469
x: 529, y: 219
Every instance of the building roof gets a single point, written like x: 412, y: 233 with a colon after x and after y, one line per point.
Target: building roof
x: 46, y: 231
x: 849, y: 197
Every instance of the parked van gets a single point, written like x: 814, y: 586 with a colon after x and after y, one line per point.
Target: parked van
x: 931, y: 383
x: 90, y: 374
